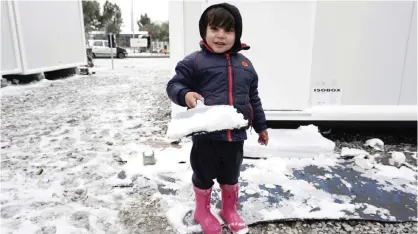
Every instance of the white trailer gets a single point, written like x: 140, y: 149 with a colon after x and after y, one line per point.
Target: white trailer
x: 41, y: 36
x: 321, y: 60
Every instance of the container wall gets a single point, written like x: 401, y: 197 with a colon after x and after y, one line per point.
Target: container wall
x: 359, y: 49
x: 408, y: 94
x: 10, y: 55
x: 51, y: 34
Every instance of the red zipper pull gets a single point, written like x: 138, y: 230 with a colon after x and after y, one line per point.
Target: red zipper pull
x: 228, y: 59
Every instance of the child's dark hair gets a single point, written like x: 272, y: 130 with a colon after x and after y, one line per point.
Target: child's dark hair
x: 220, y: 17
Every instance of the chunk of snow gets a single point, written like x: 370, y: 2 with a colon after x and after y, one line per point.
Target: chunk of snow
x: 348, y: 185
x: 270, y: 186
x: 349, y: 152
x: 304, y: 142
x: 250, y: 191
x: 328, y: 176
x: 364, y: 163
x: 264, y: 193
x: 213, y: 119
x: 375, y: 143
x: 397, y: 159
x: 391, y: 173
x: 148, y: 153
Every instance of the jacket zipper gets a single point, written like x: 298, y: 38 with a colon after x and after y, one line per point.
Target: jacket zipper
x: 251, y: 109
x: 252, y: 115
x: 231, y: 100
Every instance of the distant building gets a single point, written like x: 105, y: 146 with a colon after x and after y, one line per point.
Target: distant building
x: 122, y: 39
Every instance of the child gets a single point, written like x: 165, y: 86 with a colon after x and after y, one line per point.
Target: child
x: 219, y: 75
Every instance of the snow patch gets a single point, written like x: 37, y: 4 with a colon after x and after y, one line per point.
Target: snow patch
x: 114, y: 181
x: 304, y: 142
x: 365, y: 163
x: 349, y: 152
x: 328, y: 176
x: 169, y: 160
x: 149, y: 153
x: 371, y: 209
x: 348, y: 185
x: 250, y: 191
x: 307, y: 201
x: 391, y: 173
x: 173, y: 215
x: 270, y: 186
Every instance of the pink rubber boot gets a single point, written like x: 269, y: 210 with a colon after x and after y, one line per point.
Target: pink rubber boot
x: 229, y: 209
x: 202, y: 214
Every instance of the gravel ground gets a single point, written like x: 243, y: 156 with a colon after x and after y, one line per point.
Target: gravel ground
x: 137, y: 213
x: 394, y: 140
x: 334, y: 227
x: 63, y: 144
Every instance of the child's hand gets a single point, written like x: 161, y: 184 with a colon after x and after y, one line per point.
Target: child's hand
x: 263, y: 137
x: 191, y: 98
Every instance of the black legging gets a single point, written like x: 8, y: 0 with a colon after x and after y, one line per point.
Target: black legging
x: 219, y: 160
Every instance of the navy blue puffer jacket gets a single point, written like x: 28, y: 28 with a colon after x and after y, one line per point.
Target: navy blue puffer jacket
x: 222, y: 79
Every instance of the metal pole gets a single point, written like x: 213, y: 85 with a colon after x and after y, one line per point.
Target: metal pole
x: 132, y: 20
x: 111, y: 48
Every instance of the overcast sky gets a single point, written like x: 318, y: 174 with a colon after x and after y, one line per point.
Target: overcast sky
x: 157, y: 10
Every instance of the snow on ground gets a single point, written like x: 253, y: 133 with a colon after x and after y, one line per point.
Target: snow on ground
x: 73, y: 149
x: 136, y: 54
x: 296, y: 150
x: 64, y: 144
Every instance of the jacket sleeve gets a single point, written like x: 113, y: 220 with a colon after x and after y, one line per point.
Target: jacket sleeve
x: 259, y: 121
x: 181, y: 83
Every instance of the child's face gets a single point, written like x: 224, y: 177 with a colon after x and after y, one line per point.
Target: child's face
x: 220, y: 39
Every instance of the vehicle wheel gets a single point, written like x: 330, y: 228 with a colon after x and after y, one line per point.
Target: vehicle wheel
x: 121, y: 55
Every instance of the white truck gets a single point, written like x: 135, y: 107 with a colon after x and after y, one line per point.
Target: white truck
x: 41, y: 36
x: 321, y: 60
